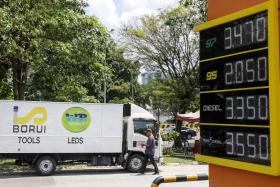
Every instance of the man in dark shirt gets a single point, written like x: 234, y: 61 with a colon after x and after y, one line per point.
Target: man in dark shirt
x: 149, y: 152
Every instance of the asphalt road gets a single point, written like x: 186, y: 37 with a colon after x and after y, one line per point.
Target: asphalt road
x: 102, y: 177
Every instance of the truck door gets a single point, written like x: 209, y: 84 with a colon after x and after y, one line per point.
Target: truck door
x: 139, y: 136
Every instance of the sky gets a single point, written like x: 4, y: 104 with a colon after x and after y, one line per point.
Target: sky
x: 112, y: 13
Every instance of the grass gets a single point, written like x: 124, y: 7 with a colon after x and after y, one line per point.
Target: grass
x: 7, y: 162
x: 172, y: 159
x: 7, y: 166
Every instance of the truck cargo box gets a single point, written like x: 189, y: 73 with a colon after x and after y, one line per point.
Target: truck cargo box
x: 50, y: 127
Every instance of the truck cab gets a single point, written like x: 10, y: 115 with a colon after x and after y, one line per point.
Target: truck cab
x: 136, y: 125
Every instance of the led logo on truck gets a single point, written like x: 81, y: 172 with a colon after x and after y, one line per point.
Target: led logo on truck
x: 76, y: 119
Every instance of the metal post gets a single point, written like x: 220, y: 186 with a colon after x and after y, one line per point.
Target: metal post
x: 158, y: 115
x: 132, y: 86
x: 105, y: 91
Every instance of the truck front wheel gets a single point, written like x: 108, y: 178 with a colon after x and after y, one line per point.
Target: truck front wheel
x: 135, y: 163
x: 45, y: 165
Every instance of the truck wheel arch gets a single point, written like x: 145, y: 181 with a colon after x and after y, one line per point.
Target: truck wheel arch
x: 56, y: 157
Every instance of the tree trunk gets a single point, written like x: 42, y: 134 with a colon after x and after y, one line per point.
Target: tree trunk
x: 19, y: 79
x: 178, y: 141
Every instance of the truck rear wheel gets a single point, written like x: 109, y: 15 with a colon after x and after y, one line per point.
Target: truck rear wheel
x: 135, y: 163
x: 45, y: 165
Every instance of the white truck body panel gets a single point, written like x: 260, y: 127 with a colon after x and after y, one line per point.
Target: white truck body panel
x: 103, y: 134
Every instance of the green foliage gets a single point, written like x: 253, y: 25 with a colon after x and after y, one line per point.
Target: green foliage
x: 136, y: 32
x: 72, y: 61
x: 55, y: 52
x: 168, y: 151
x: 169, y: 95
x: 51, y: 41
x: 170, y: 159
x: 169, y: 45
x: 170, y: 136
x: 50, y: 50
x: 123, y: 82
x: 6, y: 91
x: 199, y: 7
x: 4, y: 162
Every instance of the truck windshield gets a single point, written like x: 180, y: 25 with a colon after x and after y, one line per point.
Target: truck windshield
x: 141, y: 125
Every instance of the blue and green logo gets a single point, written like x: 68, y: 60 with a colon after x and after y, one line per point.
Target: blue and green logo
x: 76, y: 119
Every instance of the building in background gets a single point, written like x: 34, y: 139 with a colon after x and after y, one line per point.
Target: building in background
x: 145, y: 77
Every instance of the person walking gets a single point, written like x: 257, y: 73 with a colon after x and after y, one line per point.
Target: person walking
x: 149, y: 152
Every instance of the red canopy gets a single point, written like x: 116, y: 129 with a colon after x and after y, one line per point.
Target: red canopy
x: 189, y: 117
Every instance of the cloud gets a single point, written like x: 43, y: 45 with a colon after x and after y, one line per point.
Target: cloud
x: 106, y: 11
x: 151, y: 4
x: 127, y: 16
x: 113, y: 13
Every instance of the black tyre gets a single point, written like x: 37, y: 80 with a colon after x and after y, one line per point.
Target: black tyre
x: 135, y: 163
x: 45, y: 165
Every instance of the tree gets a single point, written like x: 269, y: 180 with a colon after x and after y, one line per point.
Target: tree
x: 198, y: 6
x: 5, y: 89
x: 161, y: 95
x: 123, y: 83
x: 167, y: 42
x: 73, y: 67
x: 47, y: 44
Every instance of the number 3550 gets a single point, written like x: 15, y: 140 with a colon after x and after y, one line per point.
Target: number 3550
x: 254, y: 146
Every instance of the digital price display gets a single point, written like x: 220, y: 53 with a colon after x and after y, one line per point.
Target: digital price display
x: 247, y: 107
x: 243, y: 144
x: 241, y: 71
x: 239, y: 84
x: 239, y: 35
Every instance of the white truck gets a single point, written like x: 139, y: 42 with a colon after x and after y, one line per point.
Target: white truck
x: 44, y: 134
